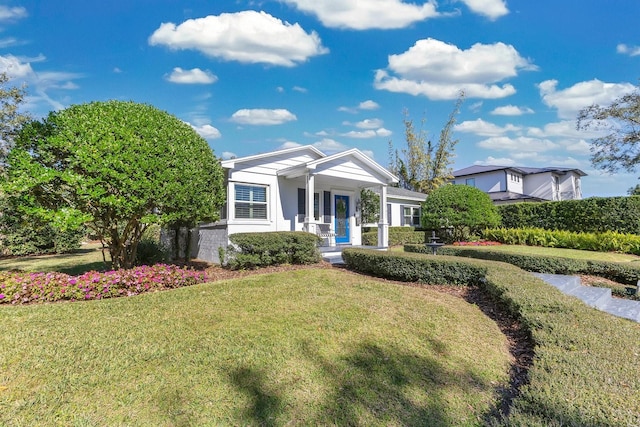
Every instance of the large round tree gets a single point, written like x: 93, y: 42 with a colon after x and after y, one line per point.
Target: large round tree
x: 116, y: 167
x: 462, y: 209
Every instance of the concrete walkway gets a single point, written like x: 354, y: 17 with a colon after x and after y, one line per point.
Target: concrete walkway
x: 599, y: 298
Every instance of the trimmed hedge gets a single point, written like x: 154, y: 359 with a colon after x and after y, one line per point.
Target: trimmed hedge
x: 397, y: 236
x: 584, y: 371
x: 609, y: 241
x: 621, y: 272
x: 254, y: 250
x: 594, y: 215
x: 412, y: 267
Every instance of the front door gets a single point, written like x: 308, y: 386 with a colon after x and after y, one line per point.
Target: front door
x: 342, y: 219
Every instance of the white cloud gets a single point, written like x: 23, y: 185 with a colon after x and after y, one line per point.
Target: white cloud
x: 117, y: 70
x: 519, y: 144
x: 570, y: 101
x: 40, y: 83
x: 9, y: 13
x: 262, y: 116
x: 370, y: 133
x: 329, y: 145
x: 628, y: 50
x: 300, y: 89
x: 368, y: 124
x: 483, y: 128
x: 368, y: 105
x: 247, y: 37
x: 369, y: 153
x: 364, y: 105
x: 579, y: 147
x: 226, y: 155
x: 206, y: 131
x: 564, y: 129
x: 493, y: 161
x: 439, y: 70
x: 14, y: 67
x: 289, y: 144
x: 511, y: 110
x: 193, y: 76
x: 492, y: 9
x: 362, y: 15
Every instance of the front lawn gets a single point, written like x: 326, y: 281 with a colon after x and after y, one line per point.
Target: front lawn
x: 87, y: 258
x: 306, y: 347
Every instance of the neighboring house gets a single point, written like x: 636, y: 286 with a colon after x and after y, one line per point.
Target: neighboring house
x: 510, y: 184
x: 296, y: 189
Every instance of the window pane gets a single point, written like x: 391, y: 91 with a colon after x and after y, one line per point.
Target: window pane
x: 259, y: 211
x: 243, y: 192
x: 259, y: 194
x: 242, y: 210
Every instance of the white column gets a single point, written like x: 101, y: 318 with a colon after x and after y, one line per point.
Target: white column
x: 383, y: 225
x: 309, y: 220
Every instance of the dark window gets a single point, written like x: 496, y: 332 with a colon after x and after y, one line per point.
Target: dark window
x: 250, y: 202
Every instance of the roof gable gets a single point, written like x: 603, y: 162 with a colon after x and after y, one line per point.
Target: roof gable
x: 351, y: 162
x: 303, y: 153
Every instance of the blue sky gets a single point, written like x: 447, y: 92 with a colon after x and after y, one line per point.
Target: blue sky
x: 255, y: 76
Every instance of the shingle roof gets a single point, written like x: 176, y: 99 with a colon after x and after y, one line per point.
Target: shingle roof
x: 476, y: 169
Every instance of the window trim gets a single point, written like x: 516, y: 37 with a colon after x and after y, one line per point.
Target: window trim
x: 251, y: 202
x: 412, y: 215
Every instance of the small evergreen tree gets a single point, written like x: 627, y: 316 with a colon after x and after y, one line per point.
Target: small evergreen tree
x: 461, y: 209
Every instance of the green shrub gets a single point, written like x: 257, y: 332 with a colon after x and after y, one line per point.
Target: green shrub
x: 253, y: 250
x: 582, y: 374
x: 609, y: 241
x: 150, y: 251
x: 594, y: 215
x: 461, y: 209
x: 397, y: 236
x: 412, y: 268
x: 621, y: 272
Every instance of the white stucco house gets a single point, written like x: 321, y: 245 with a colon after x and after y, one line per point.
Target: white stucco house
x: 298, y: 189
x: 510, y: 184
x: 404, y: 207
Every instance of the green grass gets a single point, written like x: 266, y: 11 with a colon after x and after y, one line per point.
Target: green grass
x: 306, y: 347
x: 566, y: 253
x: 89, y: 257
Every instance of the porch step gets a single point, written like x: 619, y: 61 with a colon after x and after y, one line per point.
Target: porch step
x: 599, y: 298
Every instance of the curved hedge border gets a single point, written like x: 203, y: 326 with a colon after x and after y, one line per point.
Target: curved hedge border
x: 621, y: 272
x: 584, y: 371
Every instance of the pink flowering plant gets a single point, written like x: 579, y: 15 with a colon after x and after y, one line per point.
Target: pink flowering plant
x: 27, y: 288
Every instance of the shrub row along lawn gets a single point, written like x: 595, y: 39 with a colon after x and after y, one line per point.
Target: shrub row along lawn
x: 621, y: 272
x: 307, y: 347
x: 585, y: 370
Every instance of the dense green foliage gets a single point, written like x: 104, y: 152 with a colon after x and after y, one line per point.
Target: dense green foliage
x: 253, y: 250
x: 618, y: 147
x: 370, y: 206
x: 621, y: 272
x: 595, y: 214
x: 22, y: 233
x: 116, y: 167
x: 581, y: 375
x: 397, y: 236
x: 609, y: 241
x: 463, y: 209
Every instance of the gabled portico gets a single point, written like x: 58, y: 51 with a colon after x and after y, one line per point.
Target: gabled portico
x: 342, y: 175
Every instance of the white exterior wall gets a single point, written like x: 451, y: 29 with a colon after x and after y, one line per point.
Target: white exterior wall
x: 489, y: 182
x: 570, y: 186
x: 514, y: 185
x: 539, y: 185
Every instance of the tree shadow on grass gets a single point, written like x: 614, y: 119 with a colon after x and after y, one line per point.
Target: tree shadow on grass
x: 387, y: 385
x: 265, y: 405
x: 371, y: 385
